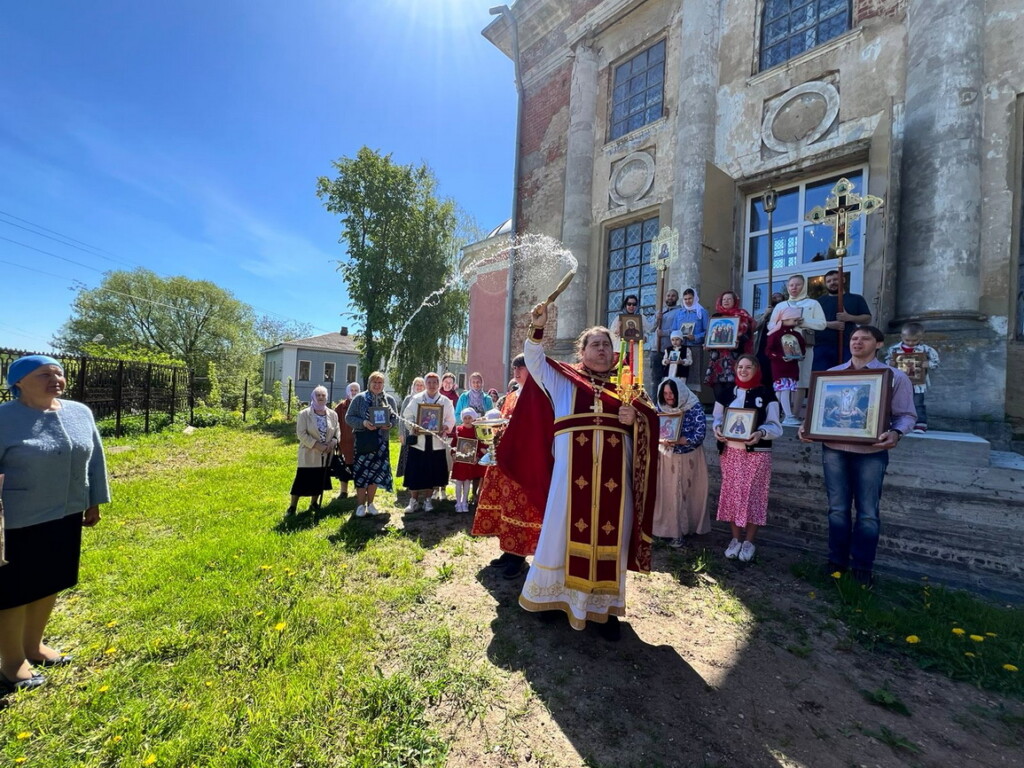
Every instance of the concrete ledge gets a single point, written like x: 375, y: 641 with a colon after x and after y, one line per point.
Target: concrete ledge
x: 952, y: 509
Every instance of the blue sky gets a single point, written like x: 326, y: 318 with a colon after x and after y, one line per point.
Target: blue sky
x: 186, y: 137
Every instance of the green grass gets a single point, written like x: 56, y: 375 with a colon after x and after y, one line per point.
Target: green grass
x: 948, y: 631
x: 208, y: 632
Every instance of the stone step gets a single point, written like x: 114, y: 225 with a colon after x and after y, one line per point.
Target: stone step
x: 945, y: 514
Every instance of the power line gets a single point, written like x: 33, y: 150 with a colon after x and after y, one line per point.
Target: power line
x: 65, y: 242
x: 50, y: 253
x: 99, y: 252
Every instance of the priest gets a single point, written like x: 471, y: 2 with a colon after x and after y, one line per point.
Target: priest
x: 600, y: 492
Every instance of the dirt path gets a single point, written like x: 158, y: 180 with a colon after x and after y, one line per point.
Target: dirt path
x: 746, y: 670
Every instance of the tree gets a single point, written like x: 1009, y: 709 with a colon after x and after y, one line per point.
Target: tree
x: 271, y: 330
x: 191, y: 320
x: 402, y: 244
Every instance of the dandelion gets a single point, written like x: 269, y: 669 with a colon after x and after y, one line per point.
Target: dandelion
x: 978, y: 638
x: 104, y: 688
x: 811, y: 594
x: 837, y: 575
x: 266, y: 567
x: 968, y: 654
x: 1010, y: 668
x: 280, y: 625
x: 991, y: 634
x: 150, y: 759
x: 20, y: 760
x: 913, y: 639
x: 258, y: 613
x: 25, y: 735
x: 209, y: 683
x: 117, y: 739
x: 110, y: 650
x: 111, y: 624
x: 958, y: 632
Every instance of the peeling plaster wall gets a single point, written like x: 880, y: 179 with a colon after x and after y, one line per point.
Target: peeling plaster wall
x: 867, y: 67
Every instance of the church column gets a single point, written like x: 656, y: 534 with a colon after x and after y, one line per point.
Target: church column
x: 695, y: 133
x: 577, y: 217
x: 940, y: 206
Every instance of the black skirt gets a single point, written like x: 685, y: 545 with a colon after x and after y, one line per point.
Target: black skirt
x: 311, y: 481
x: 426, y: 469
x: 42, y: 560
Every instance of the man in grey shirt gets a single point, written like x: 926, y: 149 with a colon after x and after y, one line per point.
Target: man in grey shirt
x: 854, y: 472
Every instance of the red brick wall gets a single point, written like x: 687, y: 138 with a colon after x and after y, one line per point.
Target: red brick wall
x: 538, y: 150
x: 871, y: 9
x: 487, y: 324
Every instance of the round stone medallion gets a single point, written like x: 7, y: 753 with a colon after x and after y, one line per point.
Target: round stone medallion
x: 800, y: 117
x: 632, y: 178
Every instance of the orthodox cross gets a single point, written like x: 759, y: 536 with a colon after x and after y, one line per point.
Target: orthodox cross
x: 842, y: 207
x: 664, y: 251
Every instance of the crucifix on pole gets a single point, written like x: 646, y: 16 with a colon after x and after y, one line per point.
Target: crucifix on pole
x: 664, y: 251
x: 842, y: 207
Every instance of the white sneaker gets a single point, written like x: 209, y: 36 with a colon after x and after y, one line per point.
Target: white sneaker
x: 428, y: 506
x: 372, y: 510
x: 733, y: 550
x: 791, y: 421
x: 747, y: 552
x: 361, y: 510
x: 414, y: 506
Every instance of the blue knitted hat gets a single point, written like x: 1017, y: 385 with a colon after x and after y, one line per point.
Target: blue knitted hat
x: 23, y: 366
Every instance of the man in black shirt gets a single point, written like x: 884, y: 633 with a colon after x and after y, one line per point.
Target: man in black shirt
x: 856, y: 312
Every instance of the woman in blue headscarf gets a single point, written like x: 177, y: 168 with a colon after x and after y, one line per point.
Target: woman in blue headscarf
x: 54, y: 479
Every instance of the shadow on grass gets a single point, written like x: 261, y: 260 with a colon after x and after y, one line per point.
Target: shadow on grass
x: 356, y: 532
x: 309, y: 518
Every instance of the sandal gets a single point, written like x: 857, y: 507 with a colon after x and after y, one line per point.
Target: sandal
x: 12, y: 686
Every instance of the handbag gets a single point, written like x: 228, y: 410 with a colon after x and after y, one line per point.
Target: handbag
x: 367, y: 441
x: 339, y: 470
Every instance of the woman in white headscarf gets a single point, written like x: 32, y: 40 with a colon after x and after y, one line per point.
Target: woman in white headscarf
x: 812, y: 319
x: 693, y: 337
x: 681, y: 506
x: 317, y: 430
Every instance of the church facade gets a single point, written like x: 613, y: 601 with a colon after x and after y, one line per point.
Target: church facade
x: 642, y: 119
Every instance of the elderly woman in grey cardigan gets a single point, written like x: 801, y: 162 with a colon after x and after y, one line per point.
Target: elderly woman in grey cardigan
x: 54, y: 479
x: 318, y: 433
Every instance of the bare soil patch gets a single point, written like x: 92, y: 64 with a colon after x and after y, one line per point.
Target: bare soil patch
x: 743, y: 668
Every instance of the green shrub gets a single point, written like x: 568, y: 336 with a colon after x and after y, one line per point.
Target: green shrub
x: 215, y: 417
x: 134, y: 424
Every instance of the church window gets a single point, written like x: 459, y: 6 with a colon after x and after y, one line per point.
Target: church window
x: 629, y: 267
x: 638, y: 91
x: 790, y: 27
x: 798, y: 246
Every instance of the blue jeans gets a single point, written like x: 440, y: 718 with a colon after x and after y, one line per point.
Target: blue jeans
x: 922, y: 412
x: 853, y: 479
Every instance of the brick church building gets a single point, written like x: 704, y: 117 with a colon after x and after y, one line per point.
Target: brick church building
x: 641, y: 115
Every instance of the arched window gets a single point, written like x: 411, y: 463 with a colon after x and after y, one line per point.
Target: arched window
x: 790, y: 27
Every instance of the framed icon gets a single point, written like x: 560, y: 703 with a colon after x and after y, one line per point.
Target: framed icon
x: 631, y: 327
x: 723, y: 333
x: 669, y: 425
x: 465, y: 450
x: 912, y: 364
x: 378, y: 416
x: 687, y: 329
x: 738, y: 423
x: 849, y: 406
x: 429, y: 416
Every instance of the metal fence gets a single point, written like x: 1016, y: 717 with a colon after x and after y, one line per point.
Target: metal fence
x: 117, y: 389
